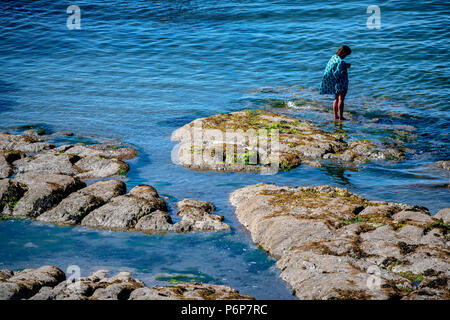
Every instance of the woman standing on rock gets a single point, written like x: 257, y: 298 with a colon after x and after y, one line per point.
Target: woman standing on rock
x: 335, y: 80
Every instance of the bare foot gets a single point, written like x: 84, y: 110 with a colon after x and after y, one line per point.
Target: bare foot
x: 342, y: 118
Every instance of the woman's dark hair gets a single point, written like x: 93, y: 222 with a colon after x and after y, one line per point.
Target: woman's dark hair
x: 344, y: 50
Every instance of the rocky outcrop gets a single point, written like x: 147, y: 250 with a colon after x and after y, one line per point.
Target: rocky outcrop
x: 65, y: 200
x: 248, y: 141
x: 333, y: 244
x: 26, y: 283
x: 6, y: 159
x: 43, y: 191
x: 51, y: 186
x: 123, y: 212
x: 71, y: 210
x: 443, y: 215
x: 81, y: 161
x: 49, y: 283
x: 197, y: 216
x: 443, y: 164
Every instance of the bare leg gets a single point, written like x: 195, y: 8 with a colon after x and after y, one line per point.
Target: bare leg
x: 336, y: 107
x: 341, y: 105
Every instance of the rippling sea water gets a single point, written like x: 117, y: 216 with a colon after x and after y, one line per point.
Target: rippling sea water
x: 137, y: 70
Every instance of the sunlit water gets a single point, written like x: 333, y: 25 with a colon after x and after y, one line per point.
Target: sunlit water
x: 137, y: 71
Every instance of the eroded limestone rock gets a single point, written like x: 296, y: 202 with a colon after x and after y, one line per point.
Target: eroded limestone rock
x: 23, y: 143
x: 44, y: 191
x: 226, y: 142
x: 444, y: 164
x: 329, y: 243
x: 24, y: 284
x: 197, y: 216
x: 77, y: 205
x: 48, y: 283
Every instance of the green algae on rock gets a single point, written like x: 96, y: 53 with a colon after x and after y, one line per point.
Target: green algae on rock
x: 252, y: 140
x: 49, y: 185
x: 333, y: 244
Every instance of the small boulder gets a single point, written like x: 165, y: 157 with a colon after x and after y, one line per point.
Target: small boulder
x: 26, y: 283
x: 45, y: 190
x: 10, y: 194
x: 5, y: 168
x: 189, y: 291
x: 48, y: 163
x: 443, y: 215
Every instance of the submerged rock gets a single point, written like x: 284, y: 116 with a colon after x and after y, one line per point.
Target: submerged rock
x: 255, y: 140
x: 49, y: 283
x: 155, y: 222
x: 333, y: 244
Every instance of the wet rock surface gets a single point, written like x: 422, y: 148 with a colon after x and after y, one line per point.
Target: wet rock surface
x: 224, y: 143
x: 44, y: 190
x: 443, y: 164
x: 76, y: 206
x: 49, y: 283
x: 26, y: 153
x: 197, y: 216
x: 23, y: 143
x: 52, y: 186
x: 189, y: 291
x: 333, y: 244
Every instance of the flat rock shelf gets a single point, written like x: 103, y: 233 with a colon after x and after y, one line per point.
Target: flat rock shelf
x: 299, y: 142
x: 334, y: 244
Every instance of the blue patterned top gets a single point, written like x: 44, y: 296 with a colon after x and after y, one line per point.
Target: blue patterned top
x: 335, y: 77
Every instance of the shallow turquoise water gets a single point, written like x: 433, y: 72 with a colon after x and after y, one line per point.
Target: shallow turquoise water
x: 138, y: 70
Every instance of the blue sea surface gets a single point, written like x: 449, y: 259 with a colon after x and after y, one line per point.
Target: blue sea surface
x: 138, y: 70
